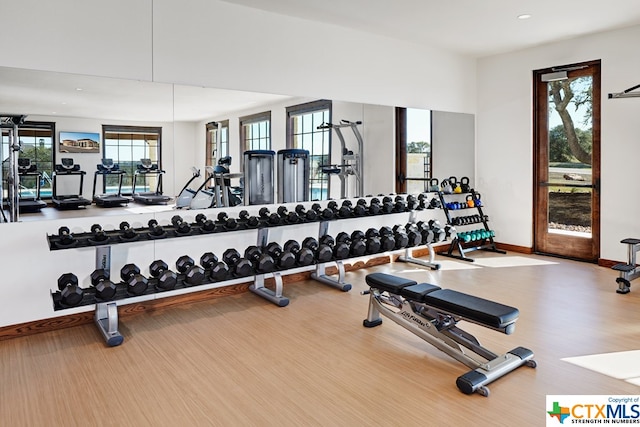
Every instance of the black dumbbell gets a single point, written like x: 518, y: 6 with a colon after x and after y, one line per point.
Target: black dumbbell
x: 322, y: 213
x: 360, y: 209
x: 402, y: 239
x: 240, y: 267
x: 339, y: 248
x: 346, y: 210
x: 165, y: 278
x: 65, y: 238
x: 204, y: 223
x: 181, y: 227
x: 399, y: 204
x: 137, y: 284
x: 193, y: 274
x: 358, y: 246
x: 268, y: 217
x: 226, y: 222
x: 373, y: 241
x: 156, y: 231
x: 262, y: 262
x: 290, y: 217
x: 414, y: 235
x: 99, y: 236
x: 387, y: 205
x: 128, y: 234
x: 387, y: 239
x: 309, y: 215
x: 374, y: 206
x: 323, y: 253
x: 412, y: 203
x: 304, y: 256
x: 105, y: 288
x: 423, y: 201
x: 70, y: 292
x: 217, y: 270
x: 450, y: 232
x: 284, y: 259
x: 249, y: 221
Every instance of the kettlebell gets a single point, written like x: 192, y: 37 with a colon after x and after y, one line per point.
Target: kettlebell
x: 446, y: 186
x: 470, y: 202
x: 478, y: 201
x: 464, y: 185
x: 434, y: 185
x: 455, y: 187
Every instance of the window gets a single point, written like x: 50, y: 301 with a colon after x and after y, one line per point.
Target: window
x: 37, y: 141
x: 255, y: 132
x: 217, y: 142
x: 126, y: 145
x: 303, y: 133
x: 413, y: 150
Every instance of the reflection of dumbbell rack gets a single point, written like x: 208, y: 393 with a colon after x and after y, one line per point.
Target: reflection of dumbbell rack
x: 465, y: 242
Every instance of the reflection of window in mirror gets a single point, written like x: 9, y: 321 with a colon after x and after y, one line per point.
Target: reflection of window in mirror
x: 255, y: 132
x: 217, y: 141
x: 127, y: 145
x: 303, y: 133
x: 413, y: 150
x: 37, y: 143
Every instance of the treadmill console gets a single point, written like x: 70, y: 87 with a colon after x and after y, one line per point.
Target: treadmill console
x: 25, y: 166
x: 107, y: 165
x: 67, y: 165
x: 145, y: 165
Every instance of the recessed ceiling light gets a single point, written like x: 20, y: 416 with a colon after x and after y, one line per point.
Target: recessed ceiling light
x: 79, y: 89
x: 524, y: 16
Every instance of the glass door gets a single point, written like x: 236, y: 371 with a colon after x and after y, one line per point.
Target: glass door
x: 567, y: 161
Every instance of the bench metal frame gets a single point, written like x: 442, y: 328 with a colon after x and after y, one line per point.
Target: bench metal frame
x: 439, y: 328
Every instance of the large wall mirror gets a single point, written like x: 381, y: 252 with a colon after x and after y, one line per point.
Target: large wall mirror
x: 62, y: 104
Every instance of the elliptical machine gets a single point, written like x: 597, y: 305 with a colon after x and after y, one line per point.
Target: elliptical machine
x: 221, y: 194
x: 186, y: 194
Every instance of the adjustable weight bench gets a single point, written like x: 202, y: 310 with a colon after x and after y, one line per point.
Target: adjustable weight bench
x: 432, y: 314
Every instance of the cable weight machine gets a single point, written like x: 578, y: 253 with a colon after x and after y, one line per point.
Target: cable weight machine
x: 351, y: 162
x: 12, y: 122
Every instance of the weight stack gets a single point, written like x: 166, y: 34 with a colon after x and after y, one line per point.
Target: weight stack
x: 293, y: 176
x: 258, y: 177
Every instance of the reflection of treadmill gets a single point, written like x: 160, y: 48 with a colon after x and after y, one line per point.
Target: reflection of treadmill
x: 71, y: 201
x: 32, y: 202
x: 145, y: 168
x: 109, y: 200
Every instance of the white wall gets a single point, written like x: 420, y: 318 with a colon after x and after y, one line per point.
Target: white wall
x: 504, y: 135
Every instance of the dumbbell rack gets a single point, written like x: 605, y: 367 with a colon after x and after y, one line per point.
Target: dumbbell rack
x: 408, y: 252
x: 320, y: 274
x: 484, y: 243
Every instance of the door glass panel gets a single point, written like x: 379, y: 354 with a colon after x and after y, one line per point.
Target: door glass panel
x: 570, y: 156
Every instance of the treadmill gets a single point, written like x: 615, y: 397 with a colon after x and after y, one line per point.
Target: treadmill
x: 109, y: 200
x: 68, y: 169
x: 30, y: 203
x: 145, y: 169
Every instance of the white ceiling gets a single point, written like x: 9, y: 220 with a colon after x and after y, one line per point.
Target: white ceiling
x: 470, y: 27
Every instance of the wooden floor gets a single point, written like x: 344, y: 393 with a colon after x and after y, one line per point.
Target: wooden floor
x: 242, y: 361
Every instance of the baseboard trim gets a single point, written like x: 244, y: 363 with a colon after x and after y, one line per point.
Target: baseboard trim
x: 128, y: 310
x: 514, y: 248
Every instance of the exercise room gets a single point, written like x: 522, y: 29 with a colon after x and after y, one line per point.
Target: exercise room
x: 233, y: 212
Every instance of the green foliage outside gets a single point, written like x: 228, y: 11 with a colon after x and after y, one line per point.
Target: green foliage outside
x: 559, y: 150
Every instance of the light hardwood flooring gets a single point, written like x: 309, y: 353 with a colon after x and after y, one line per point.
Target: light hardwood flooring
x: 242, y: 361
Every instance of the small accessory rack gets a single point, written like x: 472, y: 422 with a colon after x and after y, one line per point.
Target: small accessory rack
x: 464, y: 210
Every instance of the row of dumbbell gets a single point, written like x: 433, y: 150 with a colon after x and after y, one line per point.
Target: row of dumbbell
x: 180, y: 227
x: 256, y: 260
x: 469, y: 219
x: 475, y: 235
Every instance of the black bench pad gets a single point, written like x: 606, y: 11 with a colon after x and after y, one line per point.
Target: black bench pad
x: 418, y: 292
x: 473, y: 308
x: 387, y: 282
